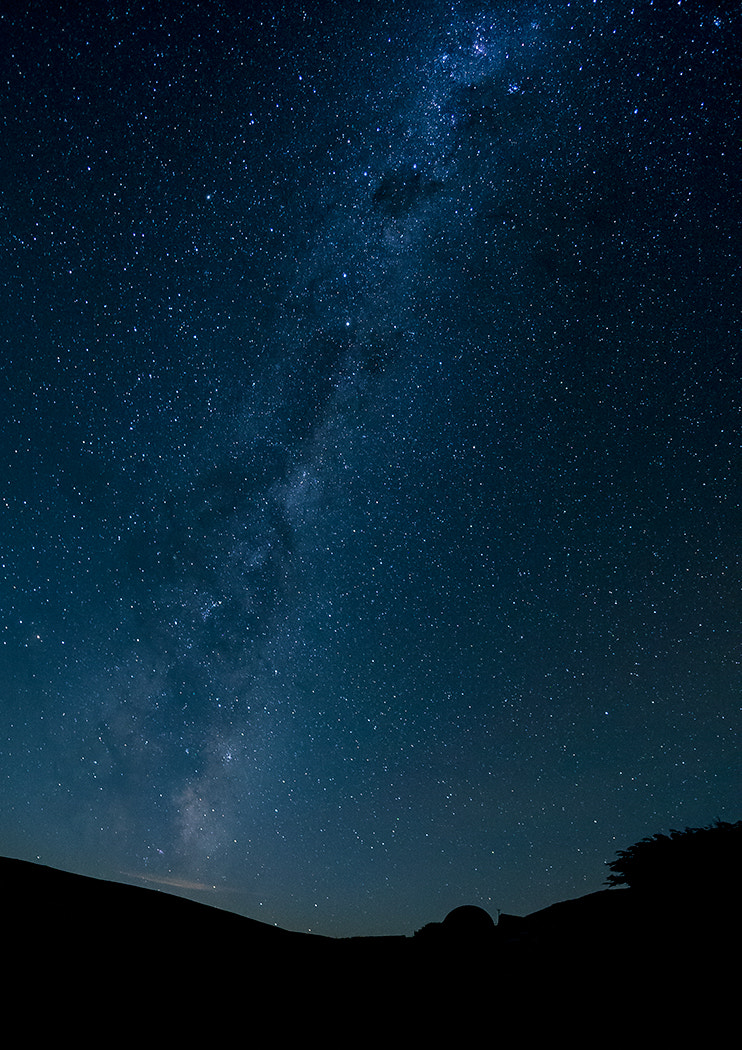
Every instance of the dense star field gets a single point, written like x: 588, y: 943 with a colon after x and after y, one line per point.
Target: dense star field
x: 370, y: 456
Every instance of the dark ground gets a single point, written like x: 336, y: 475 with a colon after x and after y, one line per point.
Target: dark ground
x: 84, y: 955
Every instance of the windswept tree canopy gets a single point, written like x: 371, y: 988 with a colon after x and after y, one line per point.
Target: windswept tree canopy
x: 706, y: 858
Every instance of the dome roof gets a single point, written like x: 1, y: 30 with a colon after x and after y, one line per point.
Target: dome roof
x: 469, y: 919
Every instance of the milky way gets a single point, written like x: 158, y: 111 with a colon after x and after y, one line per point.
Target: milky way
x: 371, y: 456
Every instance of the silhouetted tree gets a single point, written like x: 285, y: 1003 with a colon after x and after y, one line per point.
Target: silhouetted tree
x: 704, y: 859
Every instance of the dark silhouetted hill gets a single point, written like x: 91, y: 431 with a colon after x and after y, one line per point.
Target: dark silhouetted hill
x: 98, y: 957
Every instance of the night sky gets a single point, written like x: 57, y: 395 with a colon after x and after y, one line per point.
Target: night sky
x: 370, y: 446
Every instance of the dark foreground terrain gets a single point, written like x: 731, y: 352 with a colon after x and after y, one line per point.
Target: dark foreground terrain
x: 112, y: 963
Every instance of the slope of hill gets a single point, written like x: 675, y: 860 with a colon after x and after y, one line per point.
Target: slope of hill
x: 94, y: 953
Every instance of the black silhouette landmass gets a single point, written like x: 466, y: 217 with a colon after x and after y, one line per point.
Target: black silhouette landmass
x: 87, y: 956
